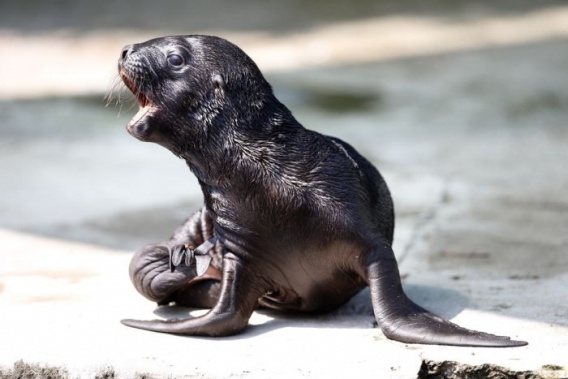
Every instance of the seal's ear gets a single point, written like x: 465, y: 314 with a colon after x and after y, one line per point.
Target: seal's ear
x: 218, y: 82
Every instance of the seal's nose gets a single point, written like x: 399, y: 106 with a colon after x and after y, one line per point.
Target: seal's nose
x: 126, y: 50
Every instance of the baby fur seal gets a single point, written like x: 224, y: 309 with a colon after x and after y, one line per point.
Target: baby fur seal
x: 294, y: 220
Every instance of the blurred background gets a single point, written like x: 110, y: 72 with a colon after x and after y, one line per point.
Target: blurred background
x: 452, y: 100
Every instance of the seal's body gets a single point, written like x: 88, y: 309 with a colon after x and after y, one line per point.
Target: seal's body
x: 300, y: 220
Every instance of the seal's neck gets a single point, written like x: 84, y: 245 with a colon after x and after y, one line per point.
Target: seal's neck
x: 249, y: 151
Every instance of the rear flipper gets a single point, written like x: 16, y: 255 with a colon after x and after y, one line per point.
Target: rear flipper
x: 151, y: 274
x: 402, y: 320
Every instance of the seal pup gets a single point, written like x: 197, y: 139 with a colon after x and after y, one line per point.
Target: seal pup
x: 292, y: 220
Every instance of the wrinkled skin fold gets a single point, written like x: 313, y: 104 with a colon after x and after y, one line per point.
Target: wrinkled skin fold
x: 302, y: 221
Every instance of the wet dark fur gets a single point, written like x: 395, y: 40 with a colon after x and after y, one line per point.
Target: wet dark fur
x: 303, y: 222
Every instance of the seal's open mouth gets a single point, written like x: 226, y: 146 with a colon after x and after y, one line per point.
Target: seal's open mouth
x: 144, y: 102
x: 145, y: 107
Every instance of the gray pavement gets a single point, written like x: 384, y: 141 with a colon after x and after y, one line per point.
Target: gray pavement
x: 472, y: 144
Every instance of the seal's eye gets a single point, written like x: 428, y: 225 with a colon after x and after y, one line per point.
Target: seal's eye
x: 175, y: 60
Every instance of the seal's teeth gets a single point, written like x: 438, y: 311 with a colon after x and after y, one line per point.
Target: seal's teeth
x: 141, y: 113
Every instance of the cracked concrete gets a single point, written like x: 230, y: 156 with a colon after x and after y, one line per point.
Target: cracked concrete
x: 472, y: 144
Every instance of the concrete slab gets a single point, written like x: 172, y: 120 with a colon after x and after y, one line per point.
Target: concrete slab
x: 61, y: 303
x: 472, y: 145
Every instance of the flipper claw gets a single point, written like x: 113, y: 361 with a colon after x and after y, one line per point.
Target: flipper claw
x: 184, y: 253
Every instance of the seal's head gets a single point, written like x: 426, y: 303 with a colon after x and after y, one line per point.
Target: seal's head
x: 190, y: 88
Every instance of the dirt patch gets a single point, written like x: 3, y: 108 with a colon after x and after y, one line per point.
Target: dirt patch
x: 106, y: 373
x: 455, y: 370
x: 23, y: 370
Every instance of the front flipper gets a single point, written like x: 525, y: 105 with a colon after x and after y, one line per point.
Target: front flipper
x: 237, y: 300
x: 402, y: 320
